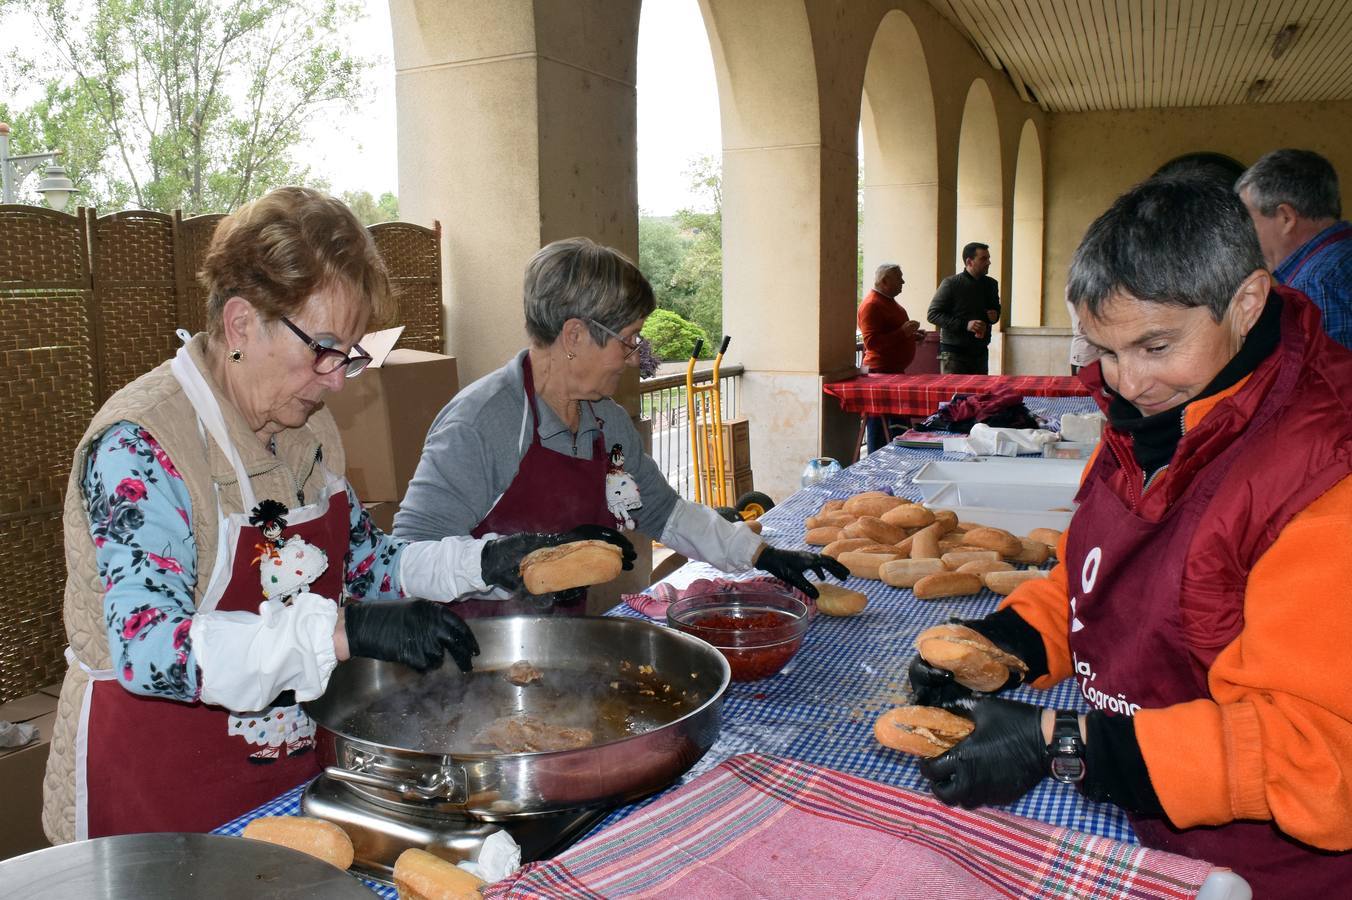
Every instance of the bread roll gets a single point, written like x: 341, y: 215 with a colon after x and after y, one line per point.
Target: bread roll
x: 908, y: 515
x: 863, y: 564
x: 577, y: 564
x: 980, y: 567
x: 874, y: 529
x: 837, y: 547
x: 946, y: 584
x: 754, y: 524
x: 906, y: 572
x: 1034, y: 553
x: 1004, y: 583
x: 996, y: 539
x: 820, y: 537
x: 1049, y: 536
x: 418, y: 875
x: 946, y: 518
x: 925, y: 542
x: 921, y: 730
x: 834, y: 600
x: 829, y: 520
x: 975, y: 662
x: 320, y: 839
x: 831, y: 506
x: 872, y: 503
x: 954, y: 559
x: 953, y: 541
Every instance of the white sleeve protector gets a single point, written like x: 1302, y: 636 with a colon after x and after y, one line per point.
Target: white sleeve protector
x: 443, y: 570
x: 247, y: 659
x: 697, y: 532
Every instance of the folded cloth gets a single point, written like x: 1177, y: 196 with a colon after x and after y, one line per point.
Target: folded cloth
x: 987, y: 441
x: 1002, y: 408
x: 762, y: 826
x: 654, y: 602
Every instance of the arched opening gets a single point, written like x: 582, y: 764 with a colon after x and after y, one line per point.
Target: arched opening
x: 1025, y: 293
x: 980, y: 207
x: 900, y: 170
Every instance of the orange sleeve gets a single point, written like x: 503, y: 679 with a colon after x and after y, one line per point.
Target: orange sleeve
x: 1275, y: 740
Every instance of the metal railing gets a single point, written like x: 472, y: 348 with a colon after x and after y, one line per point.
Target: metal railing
x: 662, y: 400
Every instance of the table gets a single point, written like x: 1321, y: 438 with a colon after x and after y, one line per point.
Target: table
x: 920, y: 395
x: 821, y: 707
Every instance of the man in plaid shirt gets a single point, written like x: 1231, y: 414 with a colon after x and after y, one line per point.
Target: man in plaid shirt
x: 1293, y: 198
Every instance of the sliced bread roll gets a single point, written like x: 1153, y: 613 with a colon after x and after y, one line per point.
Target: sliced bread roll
x: 419, y: 875
x: 576, y: 564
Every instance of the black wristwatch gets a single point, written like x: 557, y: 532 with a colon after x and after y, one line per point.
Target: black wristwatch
x: 1067, y: 748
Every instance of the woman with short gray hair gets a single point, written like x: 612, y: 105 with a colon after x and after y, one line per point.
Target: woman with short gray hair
x: 540, y: 446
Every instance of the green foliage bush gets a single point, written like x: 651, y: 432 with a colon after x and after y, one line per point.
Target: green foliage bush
x: 672, y: 337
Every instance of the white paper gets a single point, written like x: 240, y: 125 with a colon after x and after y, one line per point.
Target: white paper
x: 499, y: 857
x: 380, y: 343
x: 987, y: 441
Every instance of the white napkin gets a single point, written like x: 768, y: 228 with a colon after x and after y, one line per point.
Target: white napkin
x: 499, y: 857
x: 987, y: 441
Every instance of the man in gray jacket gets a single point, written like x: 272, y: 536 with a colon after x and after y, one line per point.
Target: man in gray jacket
x: 964, y: 308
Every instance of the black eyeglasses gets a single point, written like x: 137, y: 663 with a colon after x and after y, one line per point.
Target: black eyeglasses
x: 328, y: 359
x: 631, y: 346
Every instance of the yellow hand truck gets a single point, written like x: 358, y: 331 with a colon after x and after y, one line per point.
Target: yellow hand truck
x: 704, y: 412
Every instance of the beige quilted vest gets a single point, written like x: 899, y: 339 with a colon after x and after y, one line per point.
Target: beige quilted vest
x: 156, y: 402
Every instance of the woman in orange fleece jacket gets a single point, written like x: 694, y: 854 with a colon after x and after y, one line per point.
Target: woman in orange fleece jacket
x: 1201, y: 599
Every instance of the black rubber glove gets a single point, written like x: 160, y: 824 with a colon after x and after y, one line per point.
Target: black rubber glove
x: 500, y: 563
x: 791, y: 565
x: 545, y: 602
x: 932, y: 686
x: 610, y: 536
x: 1003, y: 758
x: 1005, y: 629
x: 417, y: 633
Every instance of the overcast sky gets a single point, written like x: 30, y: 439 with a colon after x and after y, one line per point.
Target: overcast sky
x: 677, y: 109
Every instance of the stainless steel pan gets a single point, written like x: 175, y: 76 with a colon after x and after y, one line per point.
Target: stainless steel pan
x: 651, y: 696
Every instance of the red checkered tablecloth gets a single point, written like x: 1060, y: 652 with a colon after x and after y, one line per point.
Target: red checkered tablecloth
x: 920, y: 395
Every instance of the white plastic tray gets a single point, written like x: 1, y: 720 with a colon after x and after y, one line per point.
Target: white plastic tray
x: 975, y: 504
x: 1055, y: 475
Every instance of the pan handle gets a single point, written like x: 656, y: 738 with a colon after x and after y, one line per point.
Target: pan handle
x: 446, y: 783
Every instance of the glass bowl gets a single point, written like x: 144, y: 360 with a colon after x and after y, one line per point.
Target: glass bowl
x: 758, y: 631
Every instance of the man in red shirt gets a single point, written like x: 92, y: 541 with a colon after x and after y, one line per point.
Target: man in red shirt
x: 889, y: 335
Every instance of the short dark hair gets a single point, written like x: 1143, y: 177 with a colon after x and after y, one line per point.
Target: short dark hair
x: 577, y: 278
x: 969, y: 250
x: 1178, y: 241
x: 1202, y: 164
x: 1302, y: 179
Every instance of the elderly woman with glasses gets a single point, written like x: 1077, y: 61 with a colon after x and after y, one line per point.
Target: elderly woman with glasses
x: 539, y: 445
x: 210, y: 534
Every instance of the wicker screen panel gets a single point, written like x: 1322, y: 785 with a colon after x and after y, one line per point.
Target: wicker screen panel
x: 412, y: 255
x: 48, y: 393
x: 193, y: 236
x: 135, y: 292
x: 32, y: 635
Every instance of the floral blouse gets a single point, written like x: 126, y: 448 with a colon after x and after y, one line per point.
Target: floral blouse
x: 140, y: 517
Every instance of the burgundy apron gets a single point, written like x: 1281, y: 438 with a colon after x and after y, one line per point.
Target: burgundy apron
x: 153, y: 764
x: 1129, y: 653
x: 550, y: 493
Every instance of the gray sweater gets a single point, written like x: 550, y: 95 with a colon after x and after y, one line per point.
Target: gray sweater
x: 476, y: 444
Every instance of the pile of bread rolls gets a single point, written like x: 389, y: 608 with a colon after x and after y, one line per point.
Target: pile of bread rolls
x: 907, y: 544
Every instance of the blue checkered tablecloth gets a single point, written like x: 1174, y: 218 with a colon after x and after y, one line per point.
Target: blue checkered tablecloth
x: 822, y: 706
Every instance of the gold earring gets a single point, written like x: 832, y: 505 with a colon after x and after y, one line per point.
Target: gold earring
x: 236, y: 355
x: 570, y: 355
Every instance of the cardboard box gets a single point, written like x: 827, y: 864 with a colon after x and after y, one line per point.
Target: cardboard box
x: 21, y: 772
x: 383, y: 415
x: 736, y: 484
x: 736, y: 443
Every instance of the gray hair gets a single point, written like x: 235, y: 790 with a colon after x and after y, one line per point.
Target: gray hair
x: 1302, y: 179
x: 576, y: 278
x: 882, y: 270
x: 1178, y: 241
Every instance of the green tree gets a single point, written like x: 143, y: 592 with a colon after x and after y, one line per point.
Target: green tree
x: 190, y: 104
x: 672, y: 337
x: 661, y: 249
x: 700, y: 276
x: 369, y: 210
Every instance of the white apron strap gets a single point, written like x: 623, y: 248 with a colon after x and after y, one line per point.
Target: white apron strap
x: 82, y: 742
x: 199, y: 394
